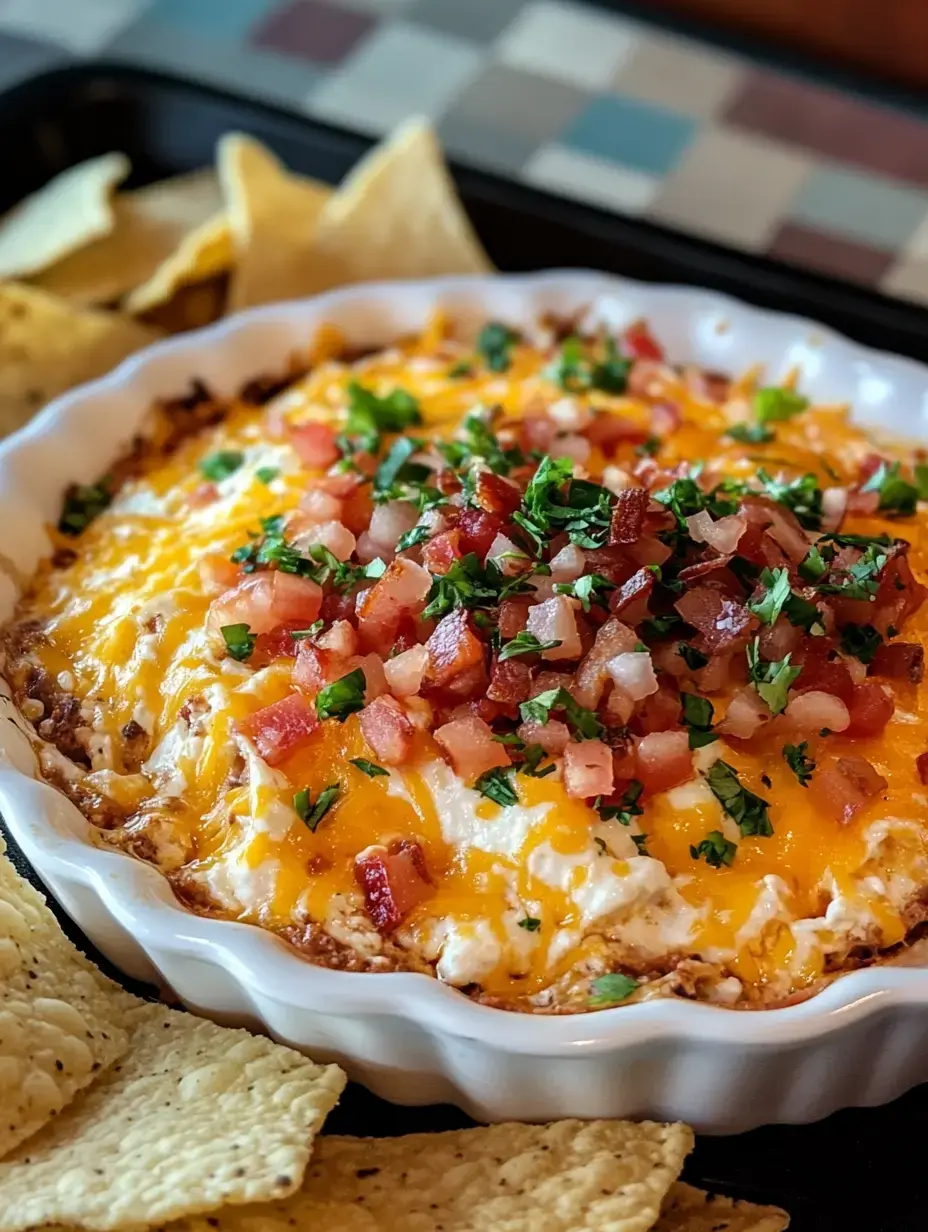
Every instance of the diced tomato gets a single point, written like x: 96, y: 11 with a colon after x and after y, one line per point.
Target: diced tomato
x: 478, y: 529
x: 453, y: 648
x: 394, y: 882
x: 440, y: 553
x: 315, y: 667
x: 822, y: 675
x: 660, y: 712
x: 275, y: 645
x: 870, y: 708
x: 468, y: 743
x: 265, y: 601
x: 841, y: 790
x: 217, y: 573
x: 639, y: 343
x: 281, y: 727
x: 495, y: 494
x: 900, y: 661
x: 553, y: 736
x: 664, y: 760
x: 628, y: 515
x: 203, y: 494
x: 665, y: 419
x: 588, y: 769
x: 387, y: 730
x: 315, y: 444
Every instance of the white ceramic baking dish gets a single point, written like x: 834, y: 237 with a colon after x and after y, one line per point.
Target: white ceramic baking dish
x: 408, y: 1037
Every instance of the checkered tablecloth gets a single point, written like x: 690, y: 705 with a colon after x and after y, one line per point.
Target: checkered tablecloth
x: 579, y: 100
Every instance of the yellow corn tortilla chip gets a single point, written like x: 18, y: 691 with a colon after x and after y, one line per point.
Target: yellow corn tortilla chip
x: 70, y: 211
x: 195, y: 1116
x: 48, y: 346
x: 202, y: 254
x: 191, y: 307
x: 604, y: 1176
x: 150, y: 223
x: 692, y: 1210
x: 58, y: 1015
x: 273, y: 214
x: 397, y: 215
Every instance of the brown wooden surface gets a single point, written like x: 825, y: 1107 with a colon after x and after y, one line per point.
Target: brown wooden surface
x: 887, y: 37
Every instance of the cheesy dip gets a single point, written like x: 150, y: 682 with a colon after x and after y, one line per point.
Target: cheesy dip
x: 544, y: 666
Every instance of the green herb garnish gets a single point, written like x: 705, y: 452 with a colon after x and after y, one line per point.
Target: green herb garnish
x: 861, y: 641
x: 801, y: 765
x: 497, y: 786
x: 370, y: 768
x: 239, y: 640
x: 82, y: 503
x: 774, y: 404
x: 741, y: 805
x: 771, y: 680
x: 494, y: 343
x: 530, y: 924
x: 311, y: 813
x: 716, y: 850
x: 612, y: 989
x: 697, y: 714
x: 221, y: 464
x: 538, y: 710
x: 342, y: 697
x: 524, y: 643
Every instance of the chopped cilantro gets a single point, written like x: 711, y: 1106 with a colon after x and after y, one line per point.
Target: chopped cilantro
x: 801, y: 765
x: 815, y: 564
x: 627, y: 808
x: 897, y: 495
x: 370, y: 415
x: 741, y: 805
x: 370, y: 768
x: 311, y: 813
x: 775, y: 404
x: 716, y: 850
x: 412, y: 538
x: 641, y: 842
x: 82, y: 503
x: 396, y: 466
x: 538, y: 710
x: 693, y: 658
x: 463, y: 368
x: 494, y: 343
x: 266, y: 474
x: 469, y: 584
x: 612, y: 989
x: 697, y: 714
x: 776, y: 591
x: 803, y: 496
x: 533, y: 755
x: 750, y: 434
x: 342, y: 697
x: 239, y: 640
x: 554, y: 502
x: 861, y: 580
x: 660, y: 626
x: 479, y: 442
x: 496, y: 785
x: 861, y: 641
x: 575, y: 371
x: 221, y: 464
x: 342, y: 574
x: 313, y: 631
x: 524, y: 643
x: 771, y: 680
x: 648, y: 448
x: 530, y: 924
x: 589, y: 589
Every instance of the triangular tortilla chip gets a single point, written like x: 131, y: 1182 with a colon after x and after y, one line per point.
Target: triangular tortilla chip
x: 693, y: 1210
x: 47, y: 346
x: 202, y: 253
x: 72, y: 210
x: 273, y: 216
x: 59, y: 1017
x: 607, y: 1176
x: 150, y: 224
x: 397, y: 215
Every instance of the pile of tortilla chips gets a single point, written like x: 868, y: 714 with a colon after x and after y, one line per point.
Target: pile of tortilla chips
x: 89, y: 274
x: 118, y: 1114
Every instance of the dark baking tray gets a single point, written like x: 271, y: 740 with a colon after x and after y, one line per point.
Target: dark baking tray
x: 860, y: 1169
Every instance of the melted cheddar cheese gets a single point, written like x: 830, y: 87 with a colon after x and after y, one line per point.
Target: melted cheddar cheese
x: 529, y: 901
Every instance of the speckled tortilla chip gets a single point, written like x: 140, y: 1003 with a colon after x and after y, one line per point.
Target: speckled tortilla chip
x: 202, y: 254
x: 397, y: 215
x: 602, y: 1176
x: 692, y: 1210
x: 273, y: 214
x: 149, y: 225
x: 195, y: 1116
x: 47, y: 346
x: 72, y: 210
x: 58, y: 1016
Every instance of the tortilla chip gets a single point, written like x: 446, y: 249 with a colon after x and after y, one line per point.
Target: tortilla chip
x: 605, y: 1176
x: 273, y: 217
x: 58, y: 1015
x: 692, y: 1210
x: 397, y: 215
x: 202, y: 253
x: 70, y: 211
x: 191, y: 307
x: 46, y: 347
x: 194, y: 1117
x: 150, y: 223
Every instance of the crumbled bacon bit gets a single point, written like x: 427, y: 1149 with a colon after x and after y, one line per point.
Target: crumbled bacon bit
x: 278, y: 729
x: 394, y: 881
x: 469, y: 745
x: 266, y: 601
x: 846, y: 787
x: 639, y: 342
x: 513, y: 614
x: 900, y: 661
x: 477, y: 530
x: 440, y: 553
x: 628, y: 515
x: 630, y: 600
x: 870, y: 709
x: 453, y: 648
x: 494, y: 494
x: 387, y: 730
x: 921, y: 765
x: 510, y: 682
x: 722, y: 622
x: 402, y: 591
